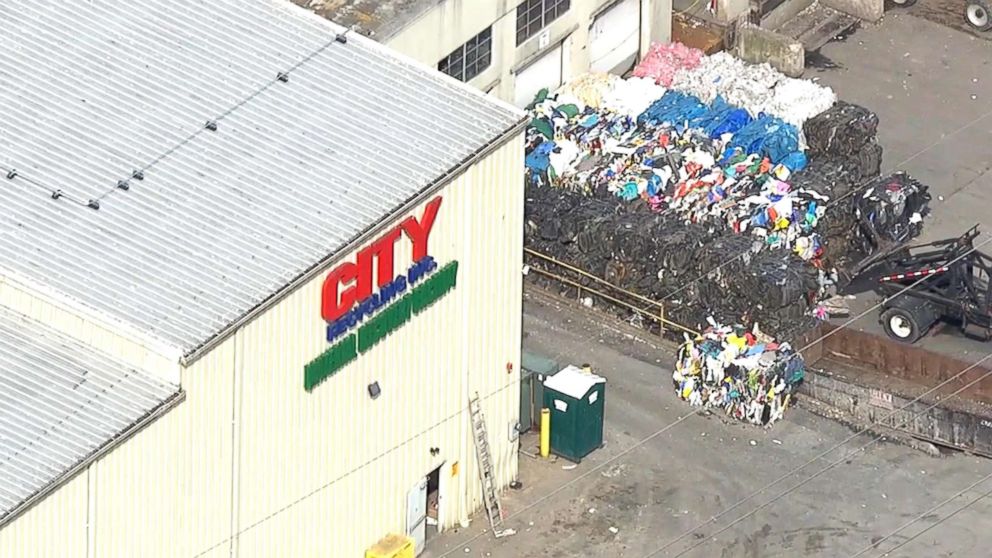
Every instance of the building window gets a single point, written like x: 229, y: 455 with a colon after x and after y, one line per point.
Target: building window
x: 534, y: 15
x: 470, y: 59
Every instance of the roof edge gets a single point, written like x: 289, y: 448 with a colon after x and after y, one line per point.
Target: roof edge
x: 125, y: 435
x: 363, y: 236
x: 45, y: 293
x: 385, y: 50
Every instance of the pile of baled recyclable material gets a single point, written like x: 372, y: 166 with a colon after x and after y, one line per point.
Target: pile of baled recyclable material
x: 744, y: 372
x: 846, y: 132
x: 884, y: 213
x: 757, y: 88
x: 706, y: 206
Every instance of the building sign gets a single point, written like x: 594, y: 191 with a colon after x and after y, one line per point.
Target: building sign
x: 364, y: 300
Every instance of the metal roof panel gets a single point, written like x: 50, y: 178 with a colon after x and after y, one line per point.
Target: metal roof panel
x: 223, y: 219
x: 60, y: 402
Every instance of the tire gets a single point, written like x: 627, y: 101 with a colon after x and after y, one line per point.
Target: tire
x: 903, y: 325
x: 903, y: 3
x: 978, y: 13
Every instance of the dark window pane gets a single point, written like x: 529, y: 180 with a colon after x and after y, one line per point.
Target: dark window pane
x: 534, y: 15
x: 470, y: 59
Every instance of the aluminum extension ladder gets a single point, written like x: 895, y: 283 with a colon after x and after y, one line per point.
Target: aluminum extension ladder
x: 489, y: 497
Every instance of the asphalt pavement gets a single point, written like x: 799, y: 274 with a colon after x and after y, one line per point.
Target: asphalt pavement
x: 660, y: 475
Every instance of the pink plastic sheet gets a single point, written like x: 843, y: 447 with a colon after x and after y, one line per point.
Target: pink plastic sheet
x: 664, y: 60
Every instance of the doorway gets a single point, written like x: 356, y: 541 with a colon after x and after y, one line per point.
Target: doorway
x: 433, y: 503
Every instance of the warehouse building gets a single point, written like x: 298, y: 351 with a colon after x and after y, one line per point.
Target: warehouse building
x: 253, y: 269
x: 510, y: 48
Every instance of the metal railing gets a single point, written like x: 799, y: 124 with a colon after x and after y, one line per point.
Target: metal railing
x: 653, y: 309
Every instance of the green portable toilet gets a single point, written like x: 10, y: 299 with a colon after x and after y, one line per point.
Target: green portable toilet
x: 534, y: 370
x: 577, y: 402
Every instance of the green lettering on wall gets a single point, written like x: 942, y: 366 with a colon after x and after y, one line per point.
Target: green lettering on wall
x: 330, y: 361
x: 386, y: 322
x: 431, y: 290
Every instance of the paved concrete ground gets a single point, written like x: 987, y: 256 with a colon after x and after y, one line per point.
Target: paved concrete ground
x: 931, y: 87
x: 945, y: 12
x: 652, y: 491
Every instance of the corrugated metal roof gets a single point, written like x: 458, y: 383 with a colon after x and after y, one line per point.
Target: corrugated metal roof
x: 222, y: 219
x: 60, y: 401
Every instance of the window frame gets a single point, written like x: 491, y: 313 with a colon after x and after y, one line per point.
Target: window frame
x: 534, y: 15
x: 471, y: 59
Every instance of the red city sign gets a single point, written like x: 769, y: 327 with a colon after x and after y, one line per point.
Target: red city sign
x: 352, y: 282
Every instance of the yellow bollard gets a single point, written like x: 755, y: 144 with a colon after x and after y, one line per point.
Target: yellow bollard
x: 545, y: 432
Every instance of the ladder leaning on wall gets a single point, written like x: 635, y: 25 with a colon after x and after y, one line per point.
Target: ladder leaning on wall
x: 489, y: 496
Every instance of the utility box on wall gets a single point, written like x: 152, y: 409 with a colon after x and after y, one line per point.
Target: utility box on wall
x: 577, y: 401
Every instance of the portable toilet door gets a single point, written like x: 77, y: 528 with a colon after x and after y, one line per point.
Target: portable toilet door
x: 577, y: 401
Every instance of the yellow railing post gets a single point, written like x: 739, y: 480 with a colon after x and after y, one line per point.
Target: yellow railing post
x: 545, y: 432
x: 654, y: 310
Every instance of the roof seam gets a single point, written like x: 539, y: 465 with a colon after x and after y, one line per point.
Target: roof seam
x: 210, y: 125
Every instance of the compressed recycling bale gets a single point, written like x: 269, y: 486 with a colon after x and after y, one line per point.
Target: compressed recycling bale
x: 751, y: 377
x: 843, y: 129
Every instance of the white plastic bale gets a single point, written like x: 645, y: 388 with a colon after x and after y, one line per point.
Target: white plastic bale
x: 755, y: 87
x: 632, y: 96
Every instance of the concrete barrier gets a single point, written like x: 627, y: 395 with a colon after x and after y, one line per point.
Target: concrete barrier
x: 865, y: 10
x: 757, y: 45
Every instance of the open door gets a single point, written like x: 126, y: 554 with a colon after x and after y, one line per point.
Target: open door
x: 416, y: 514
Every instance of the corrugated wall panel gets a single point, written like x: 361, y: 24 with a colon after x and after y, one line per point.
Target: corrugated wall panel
x: 339, y: 464
x: 54, y: 528
x: 326, y: 473
x: 167, y: 492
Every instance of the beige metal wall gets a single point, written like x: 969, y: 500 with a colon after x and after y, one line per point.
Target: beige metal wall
x: 253, y: 463
x: 451, y: 23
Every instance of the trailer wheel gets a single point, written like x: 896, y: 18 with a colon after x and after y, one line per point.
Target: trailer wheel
x: 979, y: 14
x: 902, y: 324
x: 904, y: 3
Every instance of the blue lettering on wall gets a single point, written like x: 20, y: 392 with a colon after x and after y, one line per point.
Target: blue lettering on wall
x: 391, y: 291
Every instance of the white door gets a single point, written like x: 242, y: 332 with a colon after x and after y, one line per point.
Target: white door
x: 416, y: 514
x: 442, y: 490
x: 614, y: 39
x: 543, y: 72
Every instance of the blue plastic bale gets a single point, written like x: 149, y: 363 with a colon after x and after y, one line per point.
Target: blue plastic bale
x: 795, y: 161
x: 674, y: 108
x: 767, y: 136
x: 539, y: 159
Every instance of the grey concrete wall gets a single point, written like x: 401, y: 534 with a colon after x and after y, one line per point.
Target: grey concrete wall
x: 729, y: 10
x: 785, y: 12
x: 867, y: 10
x: 758, y: 45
